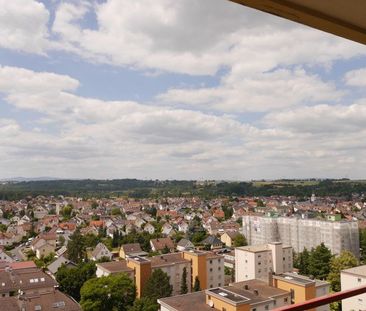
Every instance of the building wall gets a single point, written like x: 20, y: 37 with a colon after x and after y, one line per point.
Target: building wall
x: 301, y: 293
x: 222, y: 305
x: 142, y: 274
x: 198, y: 267
x: 175, y: 273
x: 215, y: 272
x: 349, y: 281
x: 321, y: 291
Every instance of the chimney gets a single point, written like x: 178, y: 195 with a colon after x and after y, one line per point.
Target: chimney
x: 256, y: 292
x: 270, y: 278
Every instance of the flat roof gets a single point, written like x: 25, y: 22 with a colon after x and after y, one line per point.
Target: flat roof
x: 294, y: 278
x: 229, y: 295
x: 187, y: 302
x: 360, y: 270
x: 339, y: 17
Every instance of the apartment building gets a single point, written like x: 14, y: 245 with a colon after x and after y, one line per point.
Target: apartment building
x: 302, y: 288
x: 207, y: 266
x: 25, y: 287
x: 173, y: 265
x: 300, y: 233
x: 251, y: 295
x: 352, y: 278
x: 257, y: 261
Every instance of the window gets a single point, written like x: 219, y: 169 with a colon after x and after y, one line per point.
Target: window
x: 219, y: 268
x: 219, y: 260
x: 359, y: 280
x: 285, y: 300
x: 259, y: 263
x: 266, y: 307
x: 219, y: 284
x: 211, y: 262
x: 210, y: 269
x: 254, y: 309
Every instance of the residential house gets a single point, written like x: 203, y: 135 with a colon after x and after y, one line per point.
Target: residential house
x: 352, y: 278
x: 101, y: 251
x: 40, y: 212
x: 158, y: 245
x: 4, y: 256
x: 54, y: 266
x: 212, y: 241
x: 130, y: 250
x: 184, y: 245
x: 183, y: 226
x: 228, y: 237
x: 149, y: 228
x: 114, y: 267
x: 167, y: 229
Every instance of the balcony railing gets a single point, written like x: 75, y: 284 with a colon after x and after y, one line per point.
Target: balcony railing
x: 324, y: 300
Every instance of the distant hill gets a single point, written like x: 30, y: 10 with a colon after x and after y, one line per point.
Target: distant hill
x: 20, y: 179
x: 135, y: 188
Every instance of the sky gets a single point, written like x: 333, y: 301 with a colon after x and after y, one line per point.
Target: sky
x: 177, y: 89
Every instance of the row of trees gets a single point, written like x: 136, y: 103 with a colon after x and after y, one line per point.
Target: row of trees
x: 321, y: 264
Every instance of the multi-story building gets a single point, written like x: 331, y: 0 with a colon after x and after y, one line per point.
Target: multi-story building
x: 352, y: 278
x: 208, y: 267
x: 302, y: 288
x: 300, y: 233
x: 258, y: 261
x: 173, y: 265
x: 251, y: 295
x: 25, y: 287
x: 245, y: 296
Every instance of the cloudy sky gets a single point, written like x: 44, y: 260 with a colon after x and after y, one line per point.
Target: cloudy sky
x: 183, y: 89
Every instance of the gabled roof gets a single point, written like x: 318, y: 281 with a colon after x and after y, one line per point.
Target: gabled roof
x: 212, y: 240
x: 159, y: 244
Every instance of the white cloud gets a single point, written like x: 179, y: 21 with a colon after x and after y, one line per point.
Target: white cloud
x: 23, y: 26
x: 356, y: 77
x: 194, y: 37
x: 261, y: 92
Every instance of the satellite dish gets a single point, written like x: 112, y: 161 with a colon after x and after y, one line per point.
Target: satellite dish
x: 211, y: 303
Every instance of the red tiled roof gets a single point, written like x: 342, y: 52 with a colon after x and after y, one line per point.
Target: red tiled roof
x: 22, y: 265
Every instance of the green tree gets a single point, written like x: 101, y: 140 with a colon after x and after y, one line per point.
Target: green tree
x: 240, y: 240
x: 183, y: 282
x: 72, y: 279
x: 116, y: 211
x: 144, y: 304
x: 319, y: 261
x: 197, y: 285
x: 76, y: 247
x: 303, y: 262
x: 91, y: 240
x: 157, y: 286
x: 114, y: 292
x: 67, y: 211
x: 363, y: 245
x: 344, y: 261
x: 166, y: 250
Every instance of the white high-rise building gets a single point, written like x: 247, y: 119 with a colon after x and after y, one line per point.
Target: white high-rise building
x: 259, y: 261
x: 337, y: 235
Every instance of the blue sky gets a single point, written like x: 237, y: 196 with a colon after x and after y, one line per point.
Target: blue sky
x: 186, y: 90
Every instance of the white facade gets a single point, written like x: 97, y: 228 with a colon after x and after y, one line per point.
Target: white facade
x: 352, y: 278
x: 302, y: 233
x: 257, y: 262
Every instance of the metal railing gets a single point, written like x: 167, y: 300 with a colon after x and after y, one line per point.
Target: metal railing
x: 323, y: 300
